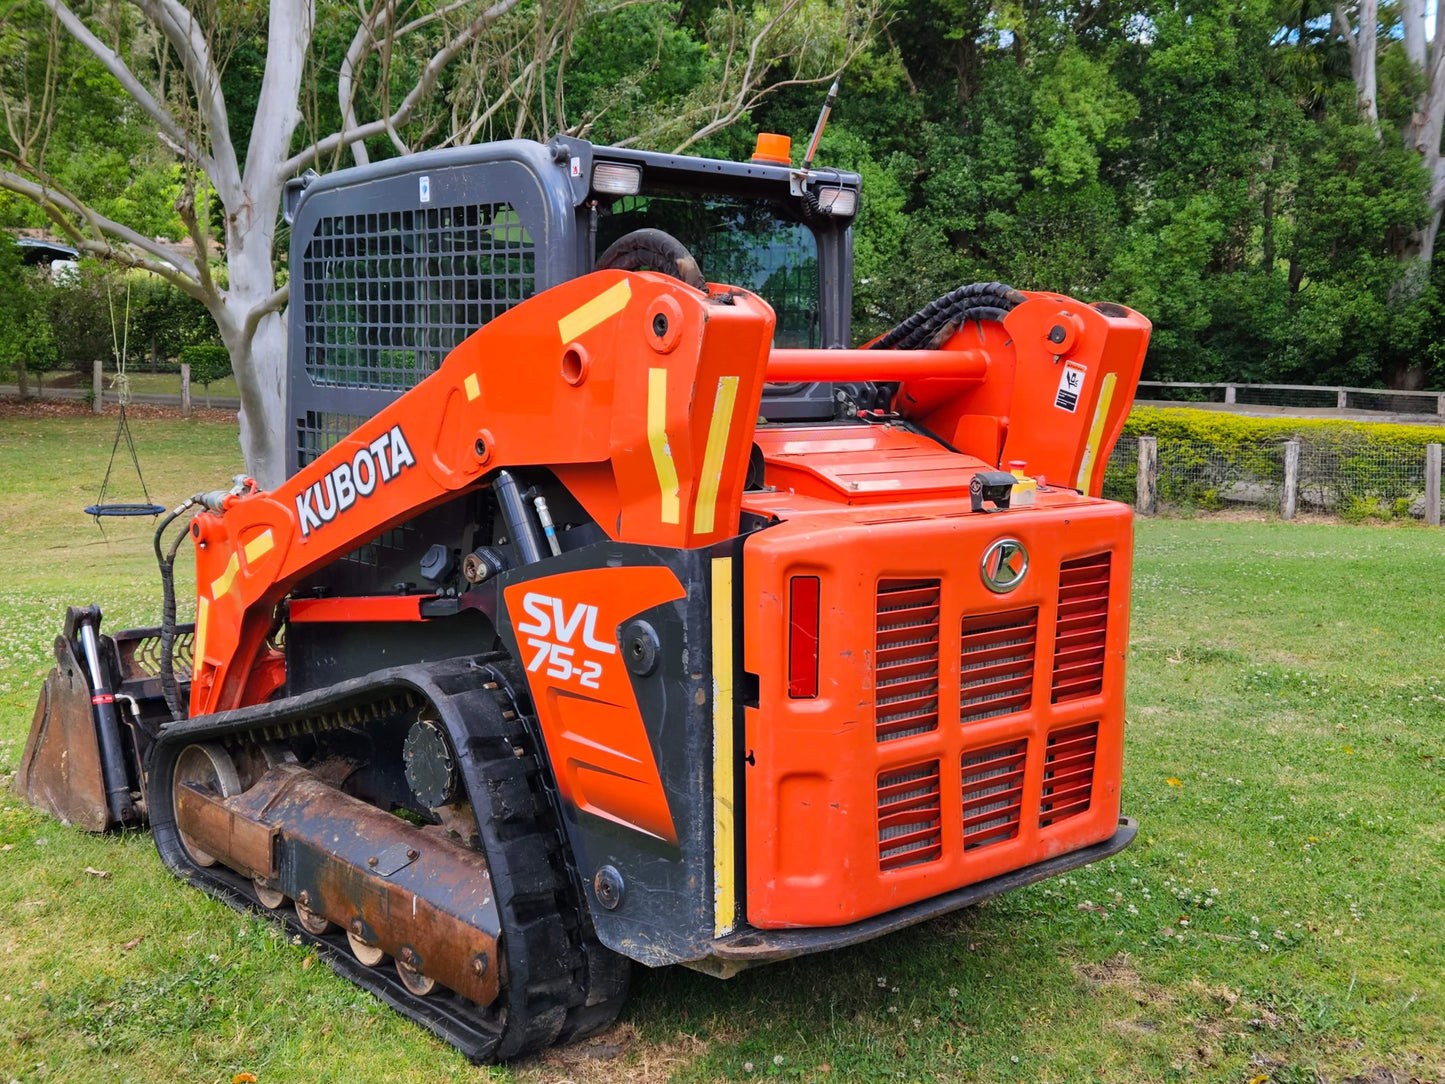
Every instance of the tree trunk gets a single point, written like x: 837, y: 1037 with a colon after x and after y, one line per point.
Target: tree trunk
x: 260, y: 369
x: 22, y: 380
x: 155, y: 357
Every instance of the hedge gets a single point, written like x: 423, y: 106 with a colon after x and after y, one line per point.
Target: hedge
x: 208, y: 362
x: 1230, y: 432
x: 1209, y: 458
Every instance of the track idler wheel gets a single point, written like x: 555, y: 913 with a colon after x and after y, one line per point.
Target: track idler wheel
x: 208, y: 766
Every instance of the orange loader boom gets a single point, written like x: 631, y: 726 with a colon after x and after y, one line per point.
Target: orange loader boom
x: 640, y: 392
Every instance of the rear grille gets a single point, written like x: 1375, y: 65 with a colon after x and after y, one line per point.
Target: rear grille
x: 1068, y: 773
x: 906, y: 659
x: 993, y: 791
x: 909, y: 816
x: 996, y: 663
x: 1082, y: 624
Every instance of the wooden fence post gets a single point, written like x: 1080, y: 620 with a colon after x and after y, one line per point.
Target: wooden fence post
x: 1432, y: 484
x: 1289, y: 492
x: 185, y: 389
x: 97, y: 386
x: 1147, y: 489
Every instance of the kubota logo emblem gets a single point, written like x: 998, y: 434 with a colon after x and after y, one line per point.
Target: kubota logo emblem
x: 550, y: 632
x: 376, y: 464
x: 1005, y: 563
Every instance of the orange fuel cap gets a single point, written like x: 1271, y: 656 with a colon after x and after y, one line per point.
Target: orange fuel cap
x: 773, y: 148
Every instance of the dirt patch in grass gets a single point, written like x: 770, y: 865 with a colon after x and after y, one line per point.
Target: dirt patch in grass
x: 618, y: 1054
x: 12, y: 407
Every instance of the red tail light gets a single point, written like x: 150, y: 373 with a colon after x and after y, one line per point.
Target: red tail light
x: 803, y: 637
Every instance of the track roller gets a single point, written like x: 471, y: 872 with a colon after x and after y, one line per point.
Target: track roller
x: 370, y: 955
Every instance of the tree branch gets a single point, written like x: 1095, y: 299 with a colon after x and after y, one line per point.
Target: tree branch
x: 270, y: 304
x: 398, y: 119
x: 186, y: 37
x: 1362, y: 46
x: 1412, y: 18
x: 356, y: 53
x: 175, y: 269
x: 170, y: 128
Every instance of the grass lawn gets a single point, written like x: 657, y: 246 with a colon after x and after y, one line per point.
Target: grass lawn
x: 1281, y: 916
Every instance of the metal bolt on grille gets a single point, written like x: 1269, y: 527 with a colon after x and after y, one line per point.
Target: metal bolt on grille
x: 909, y: 816
x: 996, y: 663
x: 906, y: 658
x: 1068, y: 773
x: 993, y: 792
x: 1082, y: 626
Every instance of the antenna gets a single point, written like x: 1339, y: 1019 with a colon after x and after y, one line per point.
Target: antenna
x: 822, y: 123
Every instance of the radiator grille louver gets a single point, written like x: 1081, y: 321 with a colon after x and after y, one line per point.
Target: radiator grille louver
x: 996, y: 664
x: 906, y: 659
x: 910, y: 822
x: 993, y: 791
x: 1068, y: 773
x: 1082, y: 625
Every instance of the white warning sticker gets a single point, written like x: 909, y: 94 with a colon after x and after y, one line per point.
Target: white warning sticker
x: 1071, y: 386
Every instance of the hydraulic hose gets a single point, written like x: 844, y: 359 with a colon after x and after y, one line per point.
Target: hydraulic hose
x: 976, y: 301
x: 167, y: 562
x: 215, y: 501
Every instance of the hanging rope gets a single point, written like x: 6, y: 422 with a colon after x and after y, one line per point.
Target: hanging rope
x: 120, y: 343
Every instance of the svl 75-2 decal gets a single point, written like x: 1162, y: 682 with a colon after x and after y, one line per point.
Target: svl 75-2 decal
x: 549, y: 634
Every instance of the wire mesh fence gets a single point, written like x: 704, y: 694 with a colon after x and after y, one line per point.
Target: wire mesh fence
x: 1361, y: 480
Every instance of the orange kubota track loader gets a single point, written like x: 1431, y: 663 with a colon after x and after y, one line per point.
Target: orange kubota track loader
x: 615, y: 608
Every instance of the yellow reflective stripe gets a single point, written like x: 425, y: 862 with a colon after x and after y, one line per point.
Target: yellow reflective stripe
x: 712, y: 459
x: 609, y: 302
x: 724, y: 887
x: 259, y: 546
x: 1096, y: 433
x: 222, y: 583
x: 198, y: 642
x: 657, y: 441
x: 473, y: 386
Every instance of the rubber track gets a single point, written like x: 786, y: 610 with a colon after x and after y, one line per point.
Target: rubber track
x: 559, y: 983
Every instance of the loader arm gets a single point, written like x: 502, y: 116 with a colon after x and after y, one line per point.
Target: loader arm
x: 638, y: 391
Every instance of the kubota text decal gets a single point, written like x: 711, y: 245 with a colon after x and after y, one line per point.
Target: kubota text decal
x: 376, y: 464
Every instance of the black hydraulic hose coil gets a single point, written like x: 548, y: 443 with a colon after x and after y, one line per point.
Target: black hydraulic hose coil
x: 976, y: 301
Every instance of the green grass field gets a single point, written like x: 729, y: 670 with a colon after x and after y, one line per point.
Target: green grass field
x: 1281, y: 916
